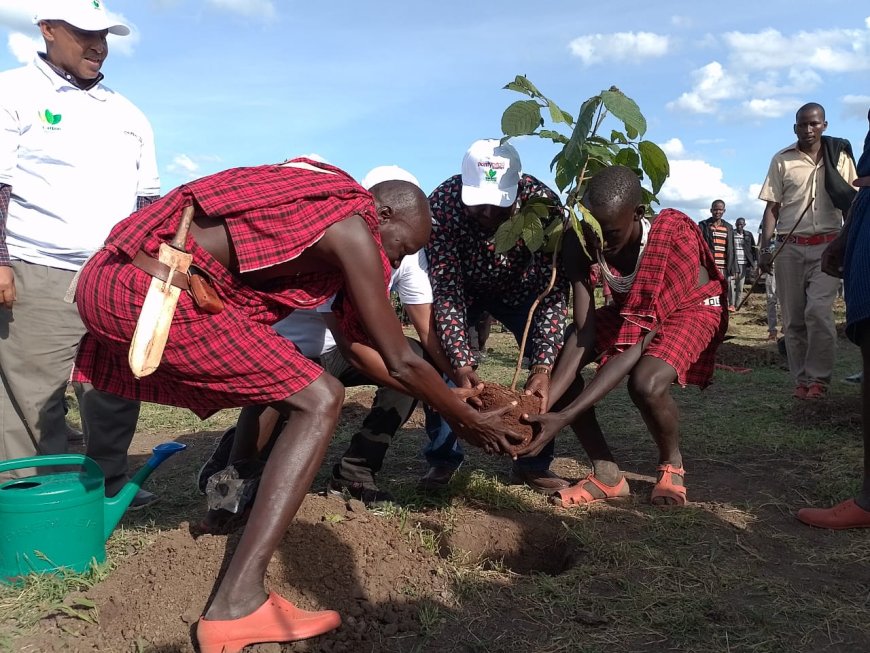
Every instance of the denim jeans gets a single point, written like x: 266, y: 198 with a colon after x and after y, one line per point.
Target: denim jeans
x: 444, y: 449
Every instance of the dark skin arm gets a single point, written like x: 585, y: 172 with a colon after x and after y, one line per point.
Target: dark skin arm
x: 768, y: 226
x: 369, y: 362
x: 580, y: 343
x: 348, y: 246
x: 832, y: 257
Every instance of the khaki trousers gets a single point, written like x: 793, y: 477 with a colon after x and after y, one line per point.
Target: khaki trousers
x: 38, y: 341
x: 806, y: 297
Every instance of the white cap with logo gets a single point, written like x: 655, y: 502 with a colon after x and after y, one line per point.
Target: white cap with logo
x: 87, y: 15
x: 490, y: 174
x: 387, y: 173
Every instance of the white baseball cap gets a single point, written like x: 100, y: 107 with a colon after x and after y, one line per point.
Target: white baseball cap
x: 87, y: 15
x: 490, y: 174
x: 387, y: 173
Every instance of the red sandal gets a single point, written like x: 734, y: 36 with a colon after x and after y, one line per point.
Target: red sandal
x: 578, y: 495
x: 665, y: 488
x: 277, y: 620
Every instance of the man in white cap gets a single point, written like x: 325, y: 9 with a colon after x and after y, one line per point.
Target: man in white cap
x: 75, y: 158
x: 468, y: 278
x: 316, y: 334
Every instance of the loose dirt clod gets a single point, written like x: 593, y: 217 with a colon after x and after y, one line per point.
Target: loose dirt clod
x: 497, y: 396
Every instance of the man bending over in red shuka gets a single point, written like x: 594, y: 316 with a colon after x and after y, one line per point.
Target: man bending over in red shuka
x: 271, y: 239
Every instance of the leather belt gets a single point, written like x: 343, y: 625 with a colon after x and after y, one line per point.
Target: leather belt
x: 820, y: 239
x: 159, y: 270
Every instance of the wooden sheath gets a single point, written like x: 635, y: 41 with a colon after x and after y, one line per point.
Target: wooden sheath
x: 152, y: 329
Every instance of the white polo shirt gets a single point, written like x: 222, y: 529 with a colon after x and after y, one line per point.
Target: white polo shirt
x: 76, y: 161
x: 307, y: 328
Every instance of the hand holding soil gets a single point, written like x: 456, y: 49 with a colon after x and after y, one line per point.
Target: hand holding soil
x: 513, y: 406
x: 547, y: 426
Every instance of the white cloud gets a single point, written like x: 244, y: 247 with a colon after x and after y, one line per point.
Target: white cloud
x: 314, y: 156
x: 183, y: 165
x: 856, y: 106
x: 23, y: 47
x: 621, y: 46
x: 17, y: 15
x: 771, y: 107
x: 764, y: 70
x: 264, y: 9
x: 713, y: 84
x: 189, y: 167
x: 694, y: 183
x: 673, y: 147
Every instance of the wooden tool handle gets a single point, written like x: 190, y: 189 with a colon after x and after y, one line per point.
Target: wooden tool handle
x: 183, y: 227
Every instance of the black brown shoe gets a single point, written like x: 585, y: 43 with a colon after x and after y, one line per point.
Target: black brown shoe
x: 371, y: 497
x: 540, y: 480
x: 436, y: 479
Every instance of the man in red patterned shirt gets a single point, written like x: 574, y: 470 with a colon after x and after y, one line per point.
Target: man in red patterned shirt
x: 667, y: 319
x: 271, y: 239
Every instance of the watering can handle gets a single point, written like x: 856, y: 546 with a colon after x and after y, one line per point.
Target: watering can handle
x: 75, y: 459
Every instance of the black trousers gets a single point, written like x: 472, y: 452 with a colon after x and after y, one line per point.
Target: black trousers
x: 390, y: 409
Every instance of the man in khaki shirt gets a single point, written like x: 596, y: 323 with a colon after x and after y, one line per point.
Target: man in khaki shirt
x: 795, y: 194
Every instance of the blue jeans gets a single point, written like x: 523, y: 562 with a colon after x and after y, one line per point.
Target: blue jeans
x: 444, y: 449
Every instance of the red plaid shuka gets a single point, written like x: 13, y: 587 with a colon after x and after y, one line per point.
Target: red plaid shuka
x: 665, y: 295
x: 235, y: 358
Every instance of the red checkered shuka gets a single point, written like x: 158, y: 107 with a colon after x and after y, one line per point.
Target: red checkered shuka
x: 272, y: 213
x: 666, y: 295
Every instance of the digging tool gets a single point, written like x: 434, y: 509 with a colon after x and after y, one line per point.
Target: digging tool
x: 778, y: 250
x: 152, y: 329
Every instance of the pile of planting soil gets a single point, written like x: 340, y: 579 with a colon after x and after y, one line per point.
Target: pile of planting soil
x: 497, y: 396
x: 744, y: 356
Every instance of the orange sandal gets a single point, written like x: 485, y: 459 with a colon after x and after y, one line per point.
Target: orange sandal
x: 665, y: 488
x: 578, y: 495
x: 277, y: 620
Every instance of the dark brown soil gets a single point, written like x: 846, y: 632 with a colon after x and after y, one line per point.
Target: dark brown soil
x: 498, y: 396
x: 734, y: 355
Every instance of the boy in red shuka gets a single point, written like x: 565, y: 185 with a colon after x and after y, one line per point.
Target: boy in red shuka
x: 668, y: 317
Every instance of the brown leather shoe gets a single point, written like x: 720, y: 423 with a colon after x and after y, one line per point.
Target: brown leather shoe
x: 539, y: 480
x: 436, y: 479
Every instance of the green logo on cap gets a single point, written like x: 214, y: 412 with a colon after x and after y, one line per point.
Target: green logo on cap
x: 50, y: 118
x: 490, y: 175
x: 96, y: 4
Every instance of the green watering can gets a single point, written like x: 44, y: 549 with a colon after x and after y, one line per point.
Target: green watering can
x: 64, y: 519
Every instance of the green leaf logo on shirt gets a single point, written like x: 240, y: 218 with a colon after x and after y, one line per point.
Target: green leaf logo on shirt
x: 49, y: 117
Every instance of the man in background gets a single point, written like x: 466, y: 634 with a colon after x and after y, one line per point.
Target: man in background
x: 75, y: 158
x: 805, y: 198
x: 719, y: 236
x: 744, y: 250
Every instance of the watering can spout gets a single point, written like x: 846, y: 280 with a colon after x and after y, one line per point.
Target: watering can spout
x: 116, y: 506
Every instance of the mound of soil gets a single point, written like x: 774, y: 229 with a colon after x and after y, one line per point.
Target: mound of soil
x: 497, y: 396
x: 734, y: 355
x: 334, y: 555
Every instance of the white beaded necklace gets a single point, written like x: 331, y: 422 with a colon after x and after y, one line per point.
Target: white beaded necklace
x: 622, y: 285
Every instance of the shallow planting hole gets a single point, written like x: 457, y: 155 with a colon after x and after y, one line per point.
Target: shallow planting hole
x: 522, y: 543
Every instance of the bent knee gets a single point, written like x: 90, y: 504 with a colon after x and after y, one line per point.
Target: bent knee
x: 323, y: 396
x: 645, y: 384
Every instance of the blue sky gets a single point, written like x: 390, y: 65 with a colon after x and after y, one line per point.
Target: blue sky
x: 243, y: 82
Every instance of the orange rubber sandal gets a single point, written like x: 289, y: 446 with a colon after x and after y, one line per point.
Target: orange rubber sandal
x: 277, y: 620
x: 665, y: 488
x: 578, y: 495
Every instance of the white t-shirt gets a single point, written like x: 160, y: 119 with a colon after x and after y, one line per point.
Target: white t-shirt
x: 76, y: 161
x: 307, y: 328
